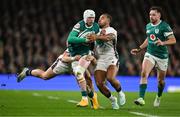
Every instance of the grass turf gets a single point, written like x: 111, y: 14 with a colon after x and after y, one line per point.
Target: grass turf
x: 55, y: 103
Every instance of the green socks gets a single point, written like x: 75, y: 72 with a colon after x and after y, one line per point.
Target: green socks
x: 160, y: 89
x: 84, y: 93
x: 91, y: 94
x: 142, y: 90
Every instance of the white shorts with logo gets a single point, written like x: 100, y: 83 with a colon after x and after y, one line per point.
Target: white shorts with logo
x: 60, y: 67
x: 159, y: 63
x: 103, y: 62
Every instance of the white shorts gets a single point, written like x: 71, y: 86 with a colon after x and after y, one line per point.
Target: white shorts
x: 60, y: 67
x: 161, y: 64
x: 103, y: 62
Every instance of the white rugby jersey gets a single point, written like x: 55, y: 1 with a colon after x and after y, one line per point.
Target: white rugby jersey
x: 107, y: 47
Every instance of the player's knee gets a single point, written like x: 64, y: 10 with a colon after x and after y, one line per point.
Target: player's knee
x: 99, y: 84
x: 112, y: 80
x: 45, y: 76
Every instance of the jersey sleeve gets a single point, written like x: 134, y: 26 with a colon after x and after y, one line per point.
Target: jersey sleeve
x: 76, y: 27
x: 111, y: 31
x: 73, y: 35
x: 167, y: 31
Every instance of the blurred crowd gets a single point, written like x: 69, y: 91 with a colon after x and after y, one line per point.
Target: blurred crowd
x: 33, y: 33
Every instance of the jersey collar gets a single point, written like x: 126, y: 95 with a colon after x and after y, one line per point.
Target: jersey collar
x: 88, y: 26
x: 157, y: 23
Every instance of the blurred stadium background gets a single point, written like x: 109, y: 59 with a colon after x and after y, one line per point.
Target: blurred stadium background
x: 33, y: 33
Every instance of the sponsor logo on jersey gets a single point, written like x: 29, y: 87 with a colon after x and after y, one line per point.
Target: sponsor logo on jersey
x: 148, y: 31
x: 152, y: 37
x: 77, y: 26
x: 156, y: 31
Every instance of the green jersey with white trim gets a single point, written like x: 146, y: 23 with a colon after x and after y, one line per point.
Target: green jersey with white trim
x: 77, y: 42
x: 154, y: 32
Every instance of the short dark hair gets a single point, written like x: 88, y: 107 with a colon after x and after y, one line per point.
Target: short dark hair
x: 108, y: 16
x: 159, y: 10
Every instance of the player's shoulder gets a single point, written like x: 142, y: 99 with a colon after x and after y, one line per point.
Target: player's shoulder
x: 81, y: 22
x: 111, y: 29
x: 148, y: 25
x: 96, y: 24
x: 78, y: 25
x: 164, y: 23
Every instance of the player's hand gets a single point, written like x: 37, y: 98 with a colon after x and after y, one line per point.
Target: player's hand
x: 77, y: 57
x: 159, y: 42
x: 135, y: 51
x: 92, y: 37
x: 89, y: 57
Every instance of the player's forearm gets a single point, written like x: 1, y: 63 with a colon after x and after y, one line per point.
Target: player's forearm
x: 103, y: 38
x: 170, y: 41
x: 144, y: 44
x: 72, y: 38
x: 68, y: 59
x: 107, y: 37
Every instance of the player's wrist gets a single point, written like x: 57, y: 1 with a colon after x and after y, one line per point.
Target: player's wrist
x: 139, y: 49
x: 73, y: 58
x: 86, y: 40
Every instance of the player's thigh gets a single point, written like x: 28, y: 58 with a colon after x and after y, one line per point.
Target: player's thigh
x: 101, y: 65
x: 100, y: 76
x: 112, y: 71
x: 161, y: 64
x: 148, y: 64
x: 61, y: 67
x: 48, y: 73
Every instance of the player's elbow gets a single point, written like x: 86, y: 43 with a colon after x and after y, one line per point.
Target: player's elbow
x: 70, y: 39
x: 174, y: 40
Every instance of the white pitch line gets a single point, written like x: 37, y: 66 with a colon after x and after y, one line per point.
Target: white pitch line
x: 143, y: 114
x: 37, y: 94
x: 53, y: 97
x: 75, y: 102
x: 49, y: 97
x: 72, y: 101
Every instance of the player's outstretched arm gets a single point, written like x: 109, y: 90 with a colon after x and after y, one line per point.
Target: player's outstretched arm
x: 142, y: 46
x: 73, y: 38
x: 107, y: 37
x: 68, y: 59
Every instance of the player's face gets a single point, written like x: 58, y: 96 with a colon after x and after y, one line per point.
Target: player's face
x: 154, y: 16
x: 90, y: 21
x: 102, y: 21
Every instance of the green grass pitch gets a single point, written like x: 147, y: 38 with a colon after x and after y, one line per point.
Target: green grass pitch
x: 62, y: 103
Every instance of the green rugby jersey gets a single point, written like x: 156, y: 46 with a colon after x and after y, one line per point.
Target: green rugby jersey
x: 77, y: 44
x: 154, y: 32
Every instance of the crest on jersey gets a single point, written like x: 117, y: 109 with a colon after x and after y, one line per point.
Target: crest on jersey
x: 152, y: 37
x: 156, y: 31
